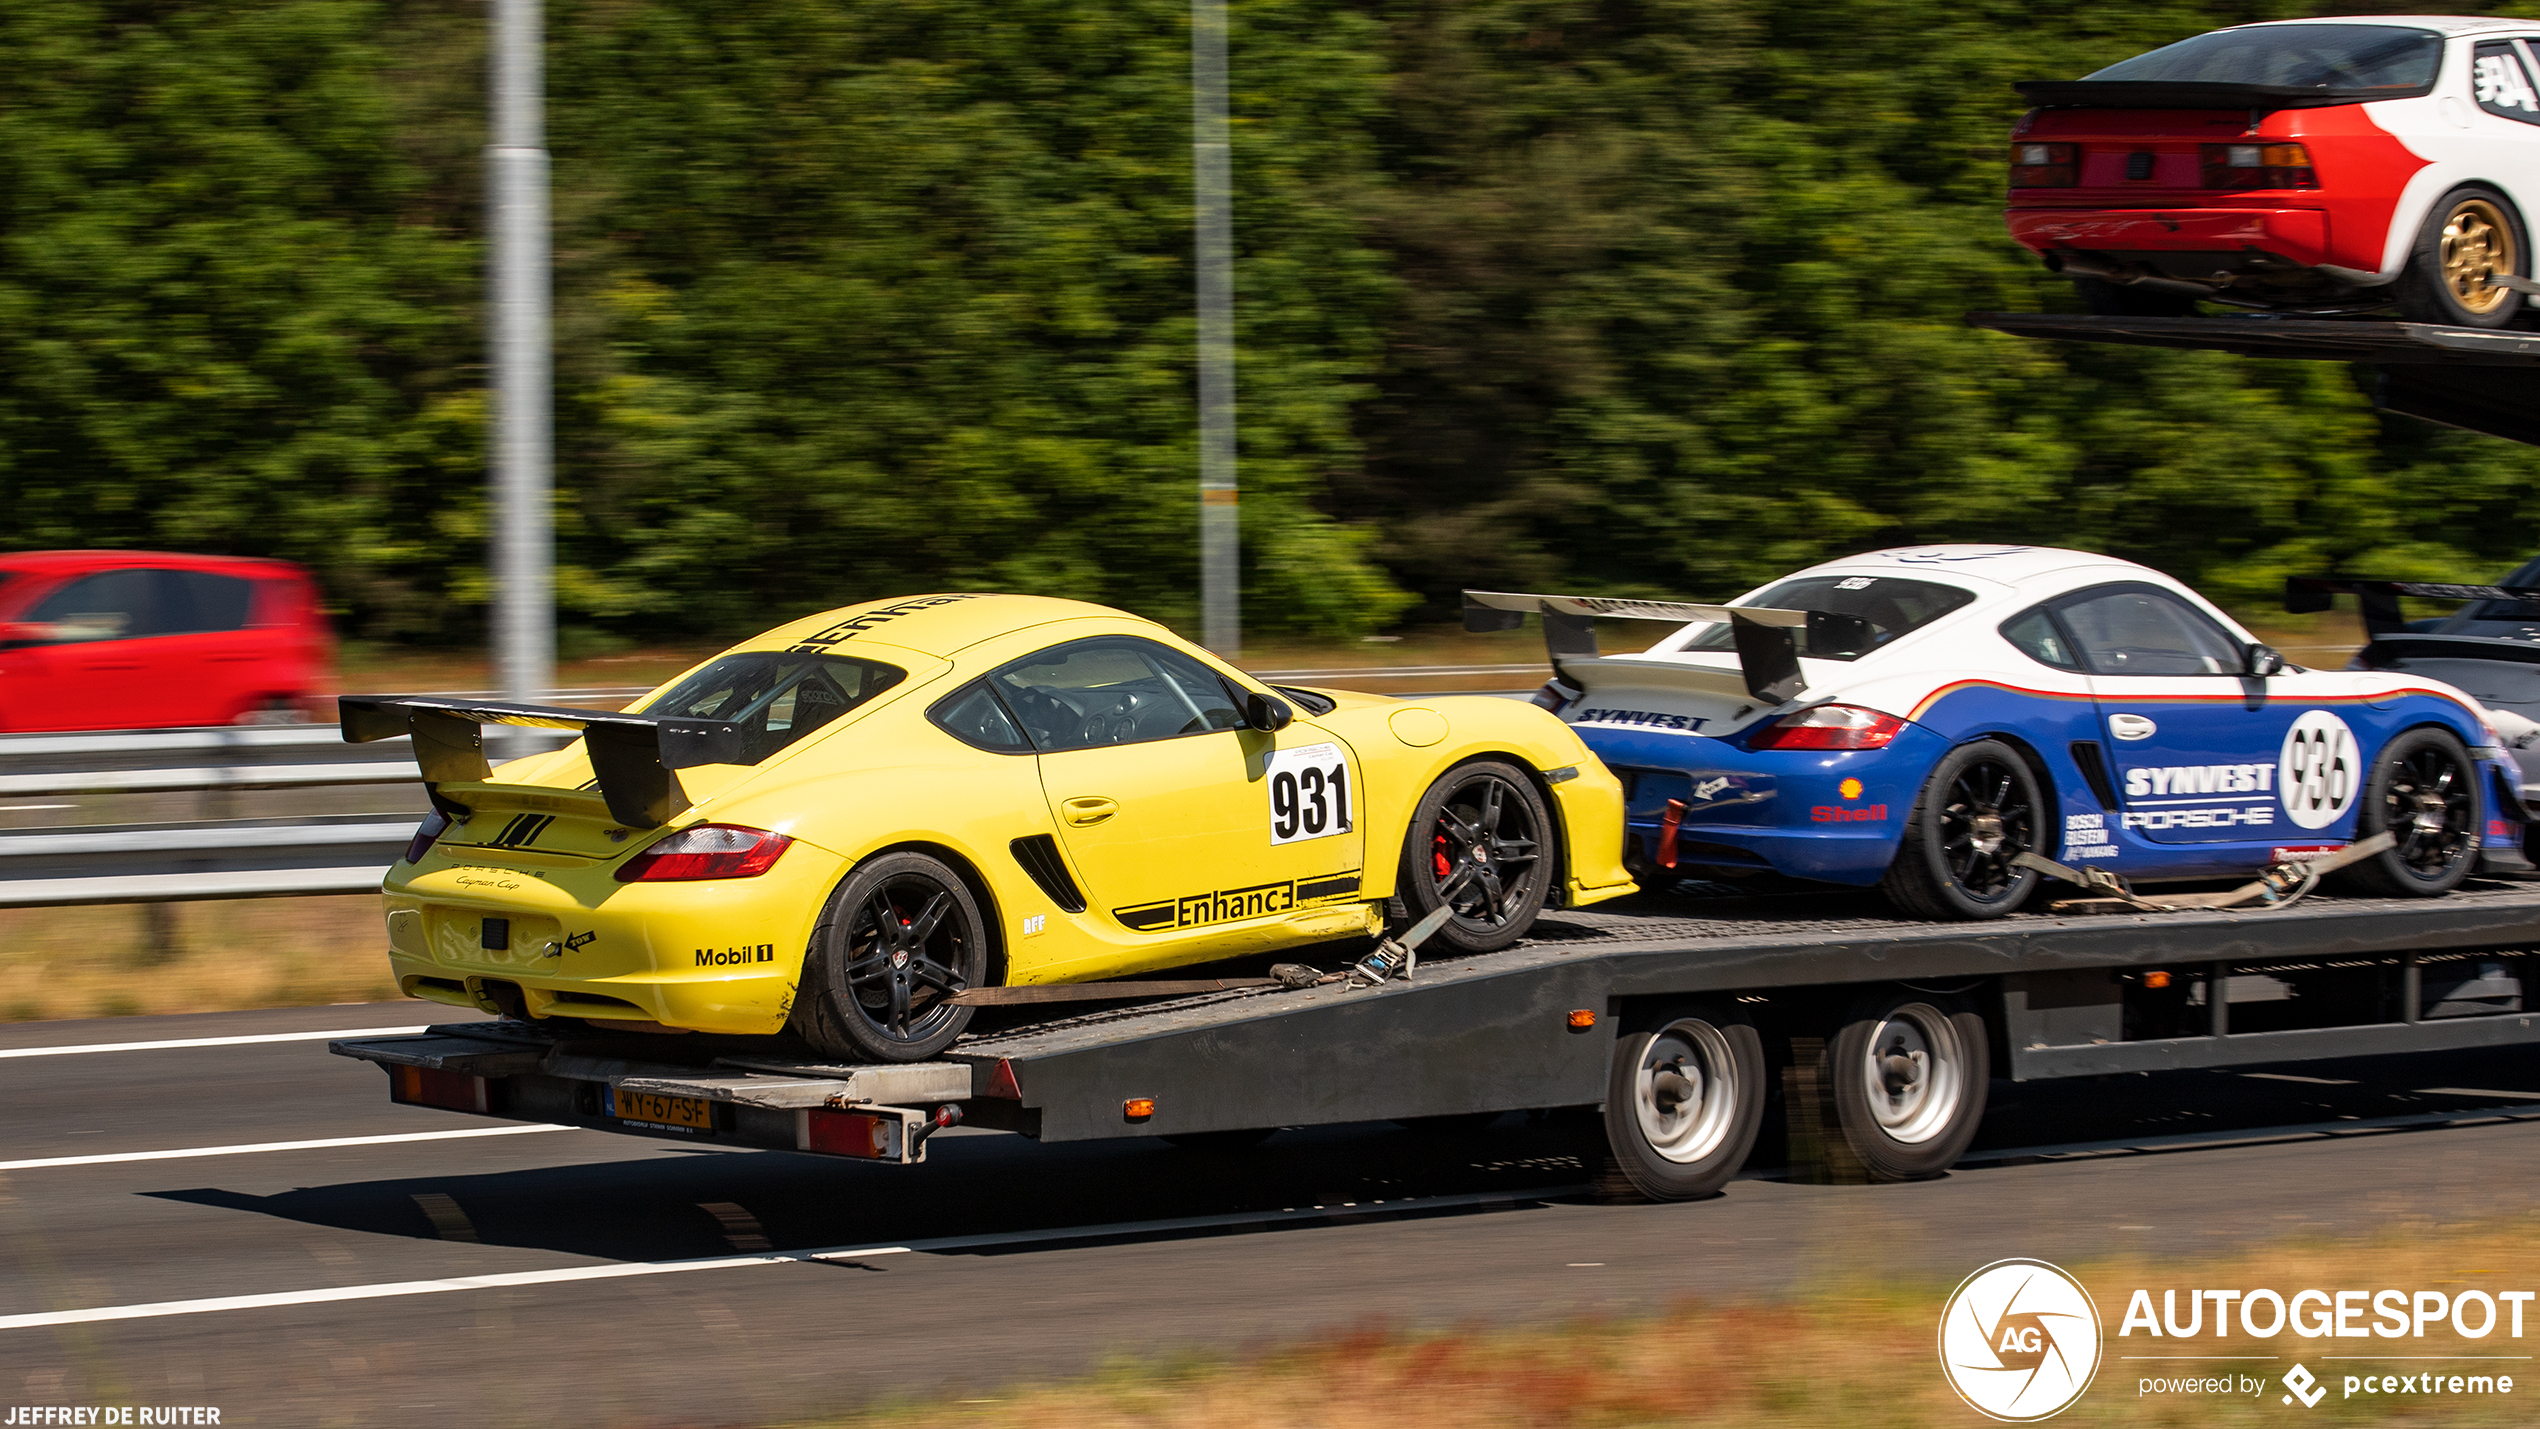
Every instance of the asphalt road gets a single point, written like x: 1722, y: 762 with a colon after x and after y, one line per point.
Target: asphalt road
x: 1000, y: 1258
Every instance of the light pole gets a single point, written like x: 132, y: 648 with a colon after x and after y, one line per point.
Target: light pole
x: 1220, y: 587
x: 524, y: 439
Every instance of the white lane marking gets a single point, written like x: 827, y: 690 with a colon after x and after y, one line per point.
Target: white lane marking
x: 257, y: 1147
x: 2477, y: 1092
x: 397, y: 1288
x: 209, y: 1041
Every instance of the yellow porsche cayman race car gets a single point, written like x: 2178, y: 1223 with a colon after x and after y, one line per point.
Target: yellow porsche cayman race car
x: 841, y: 824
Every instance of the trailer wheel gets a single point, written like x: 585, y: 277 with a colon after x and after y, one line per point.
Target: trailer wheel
x: 2423, y: 789
x: 900, y: 936
x: 1479, y: 841
x: 1909, y: 1073
x: 1979, y: 810
x: 2471, y: 235
x: 1682, y: 1104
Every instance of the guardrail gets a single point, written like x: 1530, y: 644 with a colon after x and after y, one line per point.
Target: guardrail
x: 161, y: 860
x: 291, y: 852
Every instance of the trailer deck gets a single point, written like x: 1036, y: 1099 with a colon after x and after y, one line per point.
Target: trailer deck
x: 2078, y: 995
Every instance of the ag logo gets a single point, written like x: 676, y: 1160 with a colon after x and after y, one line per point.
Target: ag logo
x: 2317, y: 769
x: 2019, y: 1340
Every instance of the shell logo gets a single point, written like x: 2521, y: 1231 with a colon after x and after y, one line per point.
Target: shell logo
x: 1849, y: 788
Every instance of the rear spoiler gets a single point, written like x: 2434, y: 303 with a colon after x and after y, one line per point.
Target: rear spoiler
x: 636, y: 756
x: 2380, y: 599
x: 1767, y: 650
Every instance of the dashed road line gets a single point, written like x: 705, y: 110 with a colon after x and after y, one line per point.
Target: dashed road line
x: 254, y: 1148
x: 209, y: 1041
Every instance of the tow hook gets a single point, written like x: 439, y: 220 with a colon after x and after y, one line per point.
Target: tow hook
x: 946, y: 1117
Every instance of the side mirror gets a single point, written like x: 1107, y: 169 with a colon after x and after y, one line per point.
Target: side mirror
x: 1267, y: 713
x: 2262, y: 661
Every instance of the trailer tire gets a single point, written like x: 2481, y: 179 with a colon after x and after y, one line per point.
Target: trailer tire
x: 1909, y: 1071
x: 1980, y: 808
x: 1481, y: 839
x: 2424, y: 789
x: 1683, y: 1102
x: 873, y: 993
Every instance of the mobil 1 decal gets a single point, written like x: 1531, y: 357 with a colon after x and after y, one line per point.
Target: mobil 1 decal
x: 2317, y: 769
x: 1309, y: 793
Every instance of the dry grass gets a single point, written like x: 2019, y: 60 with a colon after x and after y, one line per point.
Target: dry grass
x: 1833, y: 1355
x: 128, y: 960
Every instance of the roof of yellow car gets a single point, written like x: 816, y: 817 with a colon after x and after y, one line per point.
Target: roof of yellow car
x: 933, y: 624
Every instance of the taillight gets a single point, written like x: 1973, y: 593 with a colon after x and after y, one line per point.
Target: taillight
x: 427, y: 833
x: 2258, y: 166
x: 2045, y: 166
x: 706, y: 851
x: 1829, y: 727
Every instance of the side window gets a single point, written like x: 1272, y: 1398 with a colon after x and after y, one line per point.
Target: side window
x: 110, y: 605
x: 2501, y: 81
x: 1113, y: 690
x: 973, y: 715
x: 2136, y: 630
x: 194, y: 601
x: 2035, y: 634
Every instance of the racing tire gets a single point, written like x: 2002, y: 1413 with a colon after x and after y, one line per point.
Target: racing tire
x: 1480, y: 841
x: 2120, y: 300
x: 2472, y: 232
x: 1980, y: 809
x: 900, y: 936
x: 1909, y: 1072
x: 2424, y: 789
x: 1683, y: 1102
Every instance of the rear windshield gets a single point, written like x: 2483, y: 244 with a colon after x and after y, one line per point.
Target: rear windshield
x: 1850, y: 615
x: 776, y: 696
x: 2308, y: 56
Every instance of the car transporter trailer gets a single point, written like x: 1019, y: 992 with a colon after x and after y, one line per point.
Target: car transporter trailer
x: 1666, y: 1023
x: 1663, y: 1024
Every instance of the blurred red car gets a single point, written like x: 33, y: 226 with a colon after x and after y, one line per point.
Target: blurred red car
x: 144, y: 639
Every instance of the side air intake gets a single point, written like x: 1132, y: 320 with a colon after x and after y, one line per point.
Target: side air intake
x: 1039, y: 857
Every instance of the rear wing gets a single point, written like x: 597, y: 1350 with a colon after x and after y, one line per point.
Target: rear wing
x: 636, y: 756
x: 1767, y: 648
x: 2380, y: 599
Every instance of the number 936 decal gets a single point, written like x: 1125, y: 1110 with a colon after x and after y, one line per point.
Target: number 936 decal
x: 1309, y: 793
x: 2318, y: 769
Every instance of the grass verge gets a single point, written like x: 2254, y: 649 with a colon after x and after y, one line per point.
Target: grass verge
x: 1842, y: 1354
x: 126, y: 960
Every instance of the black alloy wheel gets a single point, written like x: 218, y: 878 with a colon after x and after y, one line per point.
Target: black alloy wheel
x: 2424, y: 792
x: 900, y: 938
x: 1477, y: 844
x: 1980, y: 810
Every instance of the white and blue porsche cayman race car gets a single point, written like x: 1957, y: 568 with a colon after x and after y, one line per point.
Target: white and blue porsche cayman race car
x: 1918, y: 718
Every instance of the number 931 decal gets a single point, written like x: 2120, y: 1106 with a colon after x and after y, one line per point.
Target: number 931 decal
x: 1309, y: 793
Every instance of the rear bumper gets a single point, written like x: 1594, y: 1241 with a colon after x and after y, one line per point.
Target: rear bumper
x: 1831, y: 815
x: 2295, y: 235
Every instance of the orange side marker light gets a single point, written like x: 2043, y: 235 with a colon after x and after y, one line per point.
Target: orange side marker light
x: 1582, y: 1018
x: 1138, y: 1108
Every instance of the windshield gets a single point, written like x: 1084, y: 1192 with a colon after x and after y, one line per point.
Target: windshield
x: 776, y: 696
x: 1848, y: 616
x: 2307, y: 56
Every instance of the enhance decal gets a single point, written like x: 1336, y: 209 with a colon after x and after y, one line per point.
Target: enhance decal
x: 1228, y: 905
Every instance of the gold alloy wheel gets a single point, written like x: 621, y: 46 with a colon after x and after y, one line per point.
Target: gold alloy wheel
x: 2478, y: 244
